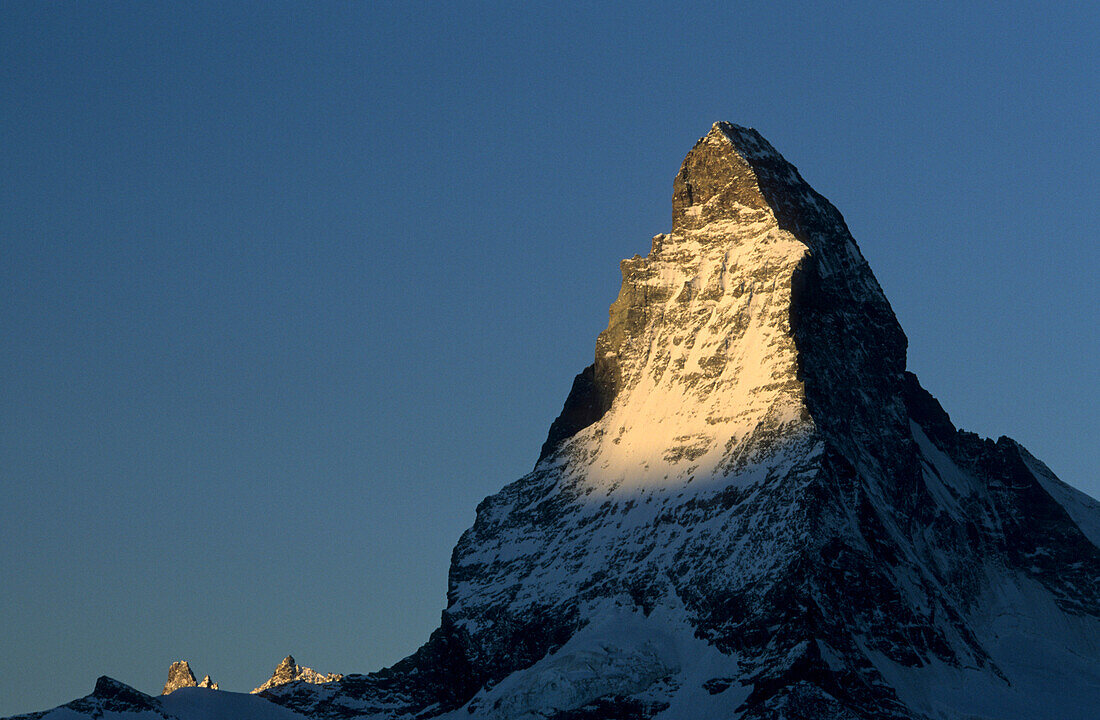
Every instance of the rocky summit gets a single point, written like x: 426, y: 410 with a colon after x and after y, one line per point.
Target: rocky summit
x: 289, y: 671
x: 179, y: 675
x: 749, y: 509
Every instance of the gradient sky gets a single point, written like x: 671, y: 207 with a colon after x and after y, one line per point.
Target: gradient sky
x: 285, y: 290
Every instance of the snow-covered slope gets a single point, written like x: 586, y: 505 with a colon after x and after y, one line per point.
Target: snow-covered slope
x: 112, y: 700
x: 749, y: 509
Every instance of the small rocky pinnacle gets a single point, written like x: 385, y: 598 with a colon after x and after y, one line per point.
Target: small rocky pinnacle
x: 206, y: 682
x: 286, y: 671
x: 179, y: 675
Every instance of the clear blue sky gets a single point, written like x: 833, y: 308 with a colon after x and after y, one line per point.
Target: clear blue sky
x: 285, y: 290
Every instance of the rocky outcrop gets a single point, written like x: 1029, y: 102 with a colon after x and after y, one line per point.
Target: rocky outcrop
x: 179, y: 675
x: 113, y: 699
x: 289, y: 671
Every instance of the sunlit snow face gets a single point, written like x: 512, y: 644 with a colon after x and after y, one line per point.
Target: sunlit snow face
x: 714, y: 365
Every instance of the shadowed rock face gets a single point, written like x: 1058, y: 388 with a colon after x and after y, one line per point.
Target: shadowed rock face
x: 588, y: 400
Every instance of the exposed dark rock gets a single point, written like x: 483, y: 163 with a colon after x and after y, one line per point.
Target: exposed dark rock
x: 588, y: 400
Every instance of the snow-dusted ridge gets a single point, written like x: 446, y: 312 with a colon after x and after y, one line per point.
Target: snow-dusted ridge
x: 748, y: 509
x: 289, y: 671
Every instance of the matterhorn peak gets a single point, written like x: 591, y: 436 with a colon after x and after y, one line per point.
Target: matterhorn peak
x: 749, y: 509
x: 748, y: 322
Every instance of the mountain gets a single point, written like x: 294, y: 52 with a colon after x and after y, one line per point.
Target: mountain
x: 179, y: 676
x: 749, y: 509
x: 289, y: 671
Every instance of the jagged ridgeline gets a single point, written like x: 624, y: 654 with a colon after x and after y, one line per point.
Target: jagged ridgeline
x: 749, y: 509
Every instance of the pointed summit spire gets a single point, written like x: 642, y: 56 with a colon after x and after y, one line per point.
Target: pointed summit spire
x: 746, y: 322
x: 716, y: 180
